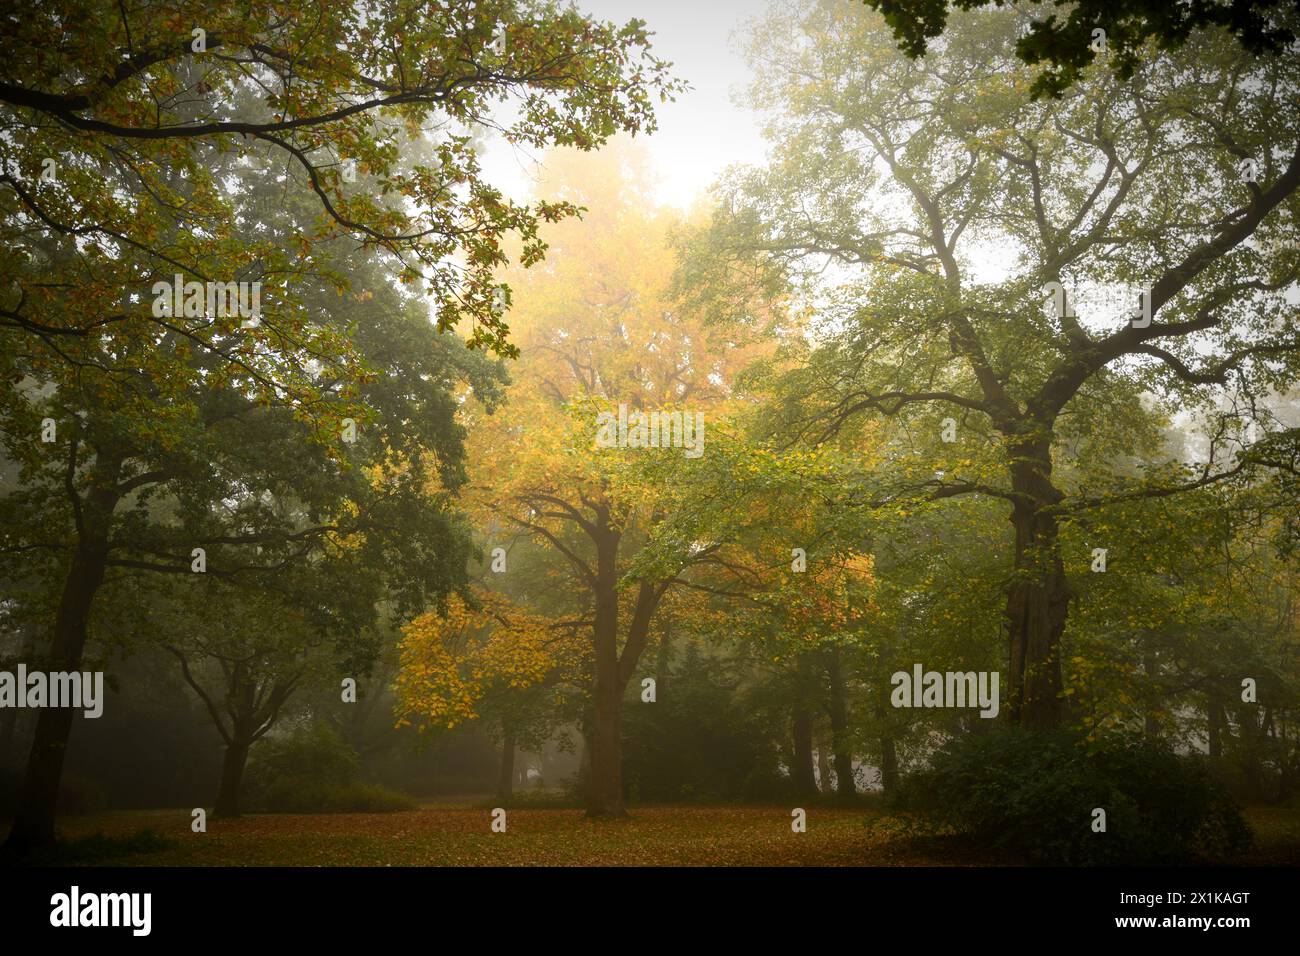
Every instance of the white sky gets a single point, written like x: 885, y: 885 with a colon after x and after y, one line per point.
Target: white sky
x: 703, y: 131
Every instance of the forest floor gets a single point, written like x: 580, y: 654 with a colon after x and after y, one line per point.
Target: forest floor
x: 460, y: 835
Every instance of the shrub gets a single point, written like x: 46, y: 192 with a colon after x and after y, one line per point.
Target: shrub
x: 304, y: 795
x: 699, y: 743
x: 315, y: 752
x: 313, y: 770
x: 1033, y: 794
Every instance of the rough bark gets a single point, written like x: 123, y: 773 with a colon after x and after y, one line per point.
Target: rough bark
x: 1039, y: 595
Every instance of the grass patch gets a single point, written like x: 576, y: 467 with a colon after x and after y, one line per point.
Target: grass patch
x: 460, y: 835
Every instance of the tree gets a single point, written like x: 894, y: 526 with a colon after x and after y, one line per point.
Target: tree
x: 243, y: 670
x: 191, y: 473
x: 1070, y: 45
x: 600, y: 328
x: 490, y: 659
x: 956, y: 205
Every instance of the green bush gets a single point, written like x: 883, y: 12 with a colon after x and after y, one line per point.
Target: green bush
x: 304, y: 795
x: 1033, y: 794
x: 315, y: 752
x: 699, y: 743
x: 313, y: 770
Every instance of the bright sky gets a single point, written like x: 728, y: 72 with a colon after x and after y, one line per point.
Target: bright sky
x: 703, y: 131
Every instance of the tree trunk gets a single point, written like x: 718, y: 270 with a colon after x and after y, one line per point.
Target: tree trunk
x: 9, y: 715
x: 505, y: 781
x: 839, y: 713
x: 801, y: 770
x: 824, y: 766
x: 1248, y: 754
x: 605, y: 790
x: 1039, y: 595
x: 888, y: 764
x: 605, y: 796
x: 1216, y: 726
x: 33, y: 826
x: 232, y: 777
x: 1151, y: 667
x: 888, y: 750
x: 613, y: 671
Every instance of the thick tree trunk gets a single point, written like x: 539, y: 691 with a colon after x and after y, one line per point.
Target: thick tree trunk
x: 232, y: 778
x: 845, y: 785
x: 33, y: 826
x: 605, y: 798
x: 1039, y: 595
x: 801, y: 770
x: 605, y: 789
x: 839, y: 713
x: 505, y: 780
x: 613, y: 670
